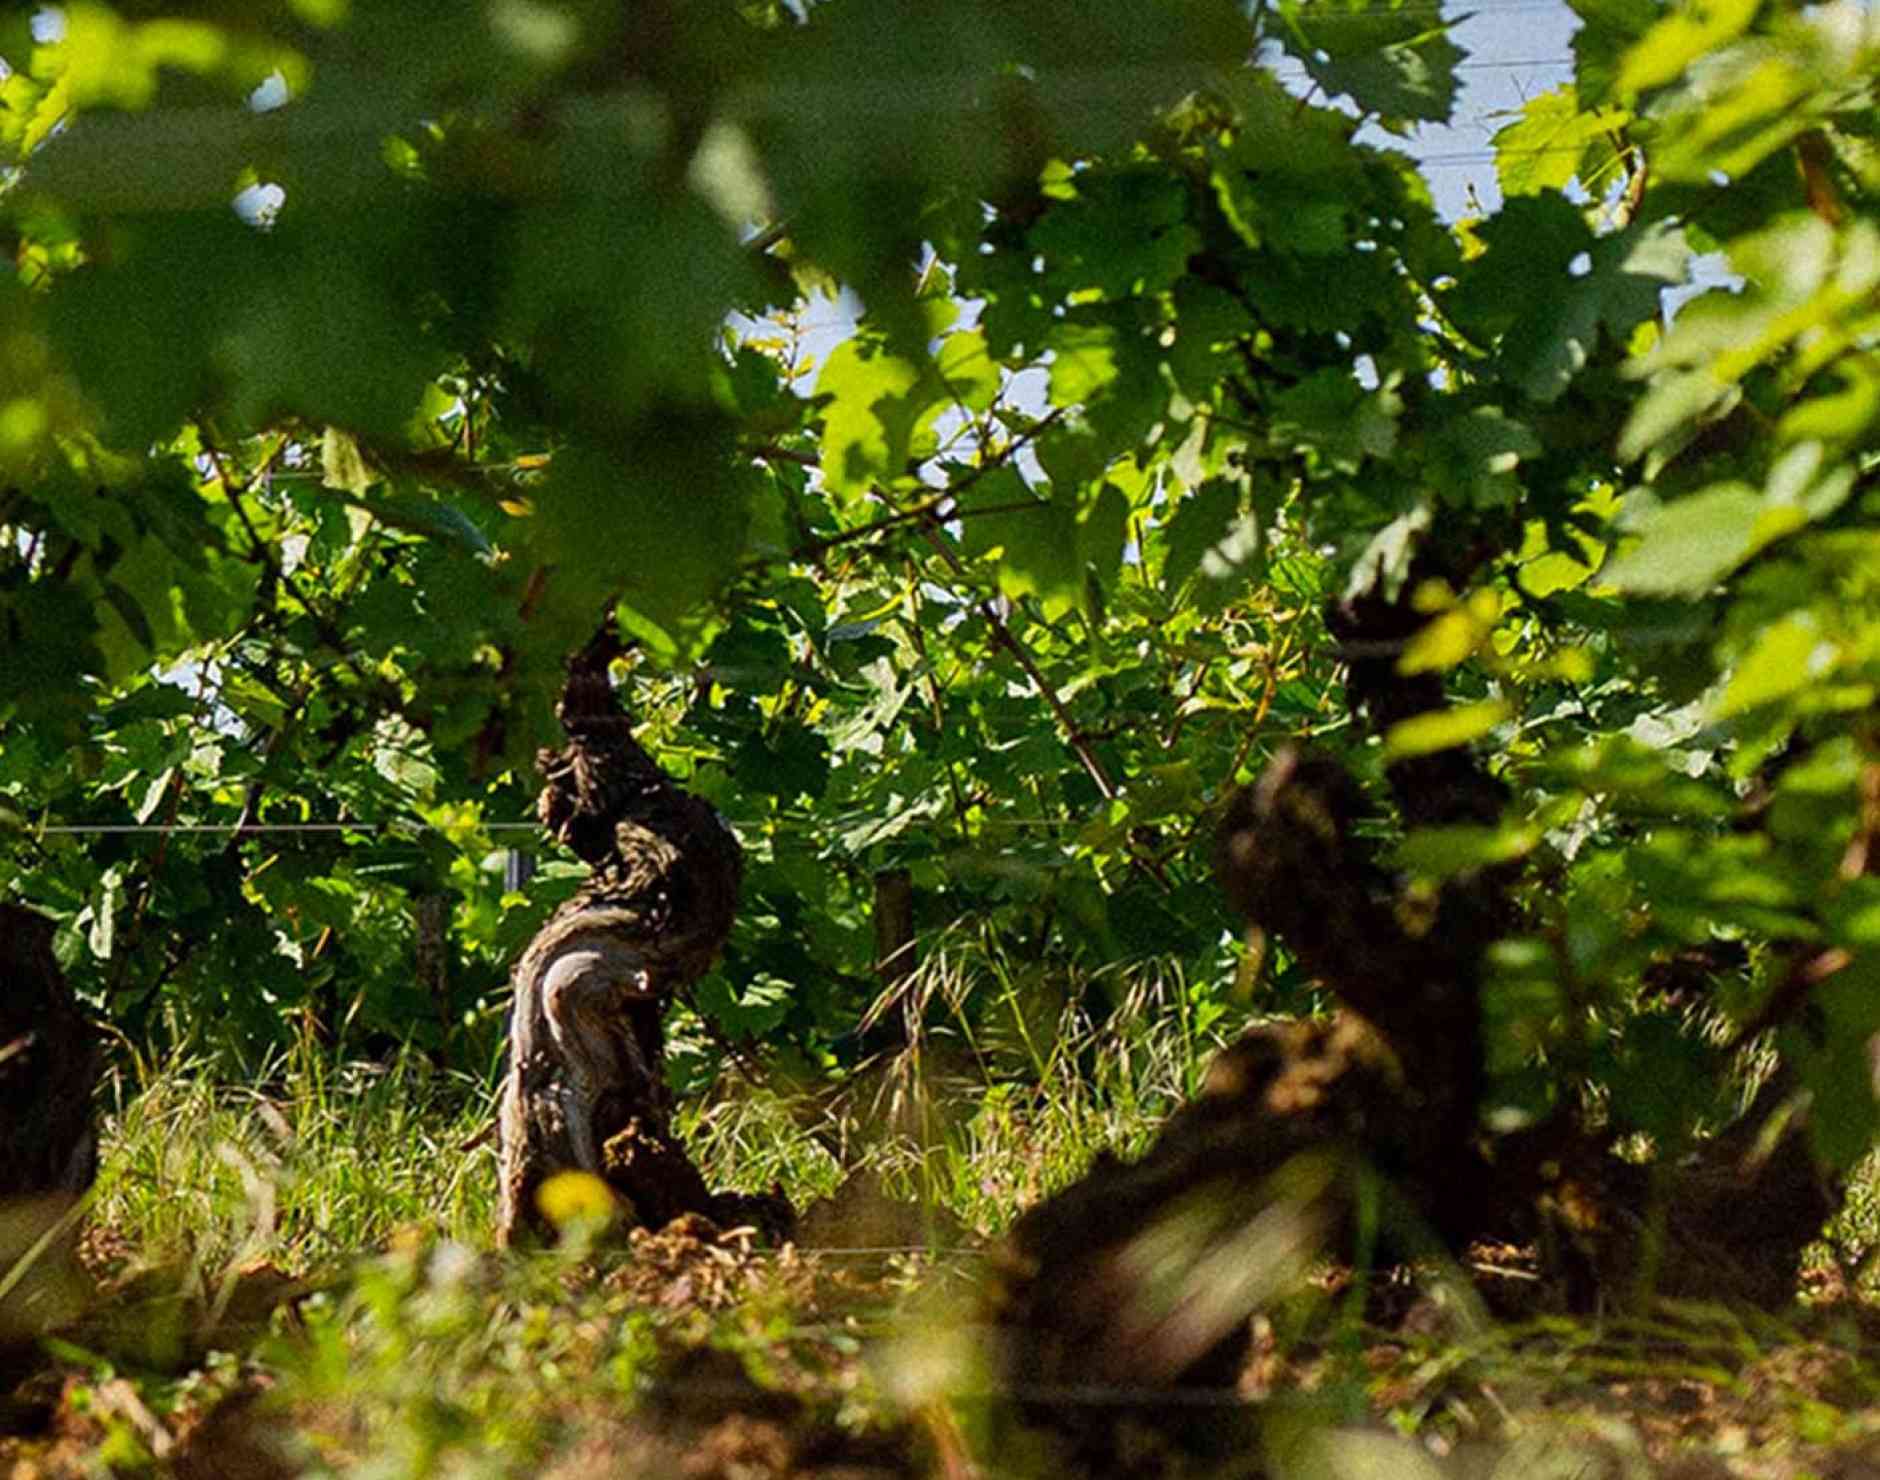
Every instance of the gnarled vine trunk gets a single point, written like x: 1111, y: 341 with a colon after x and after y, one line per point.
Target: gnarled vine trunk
x: 48, y: 1067
x: 1309, y: 1136
x: 586, y: 1088
x: 48, y: 1143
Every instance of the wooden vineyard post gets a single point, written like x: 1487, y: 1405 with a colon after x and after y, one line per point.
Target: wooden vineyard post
x: 431, y: 921
x: 895, y: 957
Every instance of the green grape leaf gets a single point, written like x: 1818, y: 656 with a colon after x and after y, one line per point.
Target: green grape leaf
x: 966, y: 371
x: 882, y: 406
x: 786, y: 761
x: 1084, y: 362
x: 1384, y: 563
x: 753, y: 1011
x: 1544, y: 148
x: 1107, y: 361
x: 1841, y: 415
x: 1338, y: 418
x: 1040, y: 544
x: 1444, y: 852
x: 1121, y: 233
x: 1041, y: 557
x: 1837, y: 1067
x: 1443, y: 729
x: 1785, y: 657
x: 322, y: 331
x: 1626, y: 277
x: 435, y: 518
x: 341, y: 466
x: 1735, y: 123
x: 140, y: 324
x: 1528, y: 248
x: 868, y: 425
x: 1212, y: 543
x: 1854, y: 914
x: 1203, y: 521
x: 1692, y: 28
x: 1673, y: 402
x: 1697, y: 881
x: 683, y: 499
x: 988, y: 505
x: 1102, y: 531
x: 1637, y: 779
x: 1663, y: 1076
x: 1386, y: 55
x: 1607, y: 30
x: 1685, y: 547
x: 620, y: 292
x: 147, y: 574
x: 1476, y: 457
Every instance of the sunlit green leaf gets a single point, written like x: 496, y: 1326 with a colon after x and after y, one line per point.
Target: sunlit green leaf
x: 1844, y: 414
x: 1692, y: 28
x: 1084, y: 362
x: 1785, y: 658
x: 1443, y: 729
x: 1607, y: 30
x: 341, y: 466
x: 1855, y: 914
x: 866, y: 428
x: 1735, y: 126
x: 1685, y: 547
x: 1544, y: 147
x: 1443, y: 852
x: 1672, y: 402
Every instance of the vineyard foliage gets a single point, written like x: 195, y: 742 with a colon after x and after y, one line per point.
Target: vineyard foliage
x: 358, y: 358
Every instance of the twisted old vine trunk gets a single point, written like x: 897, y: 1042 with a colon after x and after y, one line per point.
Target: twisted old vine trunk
x: 586, y: 1089
x: 1314, y: 1137
x: 48, y: 1142
x: 48, y: 1067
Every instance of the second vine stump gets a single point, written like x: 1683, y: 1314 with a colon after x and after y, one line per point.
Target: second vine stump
x: 586, y: 1088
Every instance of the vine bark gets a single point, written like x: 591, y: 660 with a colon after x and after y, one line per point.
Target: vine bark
x: 586, y: 1088
x: 1363, y: 1135
x: 49, y: 1059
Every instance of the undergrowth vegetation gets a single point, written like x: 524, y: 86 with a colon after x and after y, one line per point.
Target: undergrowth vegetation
x: 305, y: 1162
x: 978, y: 1112
x: 309, y: 1236
x: 294, y: 1277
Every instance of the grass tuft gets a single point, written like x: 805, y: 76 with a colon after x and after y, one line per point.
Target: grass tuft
x: 307, y: 1163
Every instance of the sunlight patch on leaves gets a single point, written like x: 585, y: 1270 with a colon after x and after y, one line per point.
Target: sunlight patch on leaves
x: 1692, y: 28
x: 1786, y: 657
x: 1686, y: 546
x: 1443, y: 729
x: 1550, y: 142
x: 1444, y: 852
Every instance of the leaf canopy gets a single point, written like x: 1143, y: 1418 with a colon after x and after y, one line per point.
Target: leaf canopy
x: 976, y: 415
